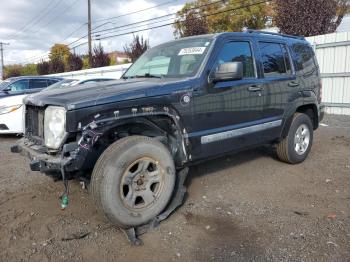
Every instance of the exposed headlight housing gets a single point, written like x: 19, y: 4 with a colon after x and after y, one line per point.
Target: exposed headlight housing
x: 54, y: 126
x: 8, y: 109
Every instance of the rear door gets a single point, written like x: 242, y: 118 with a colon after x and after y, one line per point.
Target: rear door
x: 280, y: 82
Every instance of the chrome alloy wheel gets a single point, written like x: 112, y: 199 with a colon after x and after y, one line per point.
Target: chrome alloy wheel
x: 302, y: 139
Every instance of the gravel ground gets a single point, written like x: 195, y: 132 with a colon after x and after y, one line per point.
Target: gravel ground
x: 244, y: 207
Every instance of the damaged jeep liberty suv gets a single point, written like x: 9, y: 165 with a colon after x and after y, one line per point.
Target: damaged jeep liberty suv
x: 180, y: 103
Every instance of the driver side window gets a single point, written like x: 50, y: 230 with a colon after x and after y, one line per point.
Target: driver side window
x: 19, y: 85
x: 238, y: 52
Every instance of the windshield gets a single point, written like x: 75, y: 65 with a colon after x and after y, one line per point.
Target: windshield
x: 61, y: 84
x: 175, y: 59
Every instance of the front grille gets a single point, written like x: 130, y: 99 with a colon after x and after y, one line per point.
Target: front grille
x: 34, y: 121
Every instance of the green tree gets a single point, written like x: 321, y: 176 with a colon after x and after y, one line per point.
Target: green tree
x: 231, y: 15
x: 86, y: 64
x: 29, y: 69
x: 12, y: 70
x: 113, y: 61
x: 60, y: 52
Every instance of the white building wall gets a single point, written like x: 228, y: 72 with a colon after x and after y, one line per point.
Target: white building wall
x: 333, y: 55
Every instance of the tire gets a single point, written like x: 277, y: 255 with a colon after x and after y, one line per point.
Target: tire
x: 296, y: 146
x: 133, y: 181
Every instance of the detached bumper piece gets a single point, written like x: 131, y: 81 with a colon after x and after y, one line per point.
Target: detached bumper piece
x: 180, y: 190
x: 322, y: 109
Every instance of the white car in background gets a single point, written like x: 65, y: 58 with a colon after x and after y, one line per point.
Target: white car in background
x: 12, y: 115
x: 12, y: 109
x: 12, y: 92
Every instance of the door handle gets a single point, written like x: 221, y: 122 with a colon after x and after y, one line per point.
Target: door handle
x: 293, y: 83
x: 255, y: 88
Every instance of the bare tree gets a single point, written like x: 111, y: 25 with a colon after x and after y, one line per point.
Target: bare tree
x: 74, y: 62
x: 43, y: 68
x: 135, y: 49
x: 100, y: 58
x: 56, y: 66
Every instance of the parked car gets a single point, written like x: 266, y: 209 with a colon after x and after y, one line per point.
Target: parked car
x: 180, y: 103
x: 12, y: 92
x: 25, y: 85
x: 75, y: 82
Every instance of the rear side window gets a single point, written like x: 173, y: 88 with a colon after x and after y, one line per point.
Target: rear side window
x: 275, y: 59
x: 304, y: 58
x: 238, y: 52
x: 19, y: 85
x: 37, y: 83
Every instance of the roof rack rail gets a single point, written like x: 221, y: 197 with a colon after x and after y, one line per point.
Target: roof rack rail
x: 271, y: 33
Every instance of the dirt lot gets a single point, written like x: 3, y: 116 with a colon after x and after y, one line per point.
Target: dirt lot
x: 244, y: 207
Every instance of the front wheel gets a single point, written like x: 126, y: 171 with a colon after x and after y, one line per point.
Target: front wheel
x: 133, y: 180
x: 296, y: 146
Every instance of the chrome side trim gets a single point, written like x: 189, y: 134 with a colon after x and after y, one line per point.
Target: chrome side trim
x: 239, y: 132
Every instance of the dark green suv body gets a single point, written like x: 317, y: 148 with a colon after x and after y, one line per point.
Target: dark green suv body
x: 180, y: 103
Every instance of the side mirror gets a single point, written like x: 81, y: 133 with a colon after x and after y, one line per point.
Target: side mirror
x: 228, y: 71
x: 7, y: 89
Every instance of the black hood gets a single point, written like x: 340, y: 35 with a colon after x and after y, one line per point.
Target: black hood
x: 81, y: 96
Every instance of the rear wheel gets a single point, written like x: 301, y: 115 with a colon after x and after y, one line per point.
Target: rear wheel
x: 133, y: 180
x: 296, y: 146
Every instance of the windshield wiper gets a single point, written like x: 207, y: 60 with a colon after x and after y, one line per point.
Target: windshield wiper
x: 148, y: 75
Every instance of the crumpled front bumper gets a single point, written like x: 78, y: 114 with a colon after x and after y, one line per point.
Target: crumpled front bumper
x: 40, y: 160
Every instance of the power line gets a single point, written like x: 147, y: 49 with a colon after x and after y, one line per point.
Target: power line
x: 33, y: 19
x: 36, y: 19
x: 151, y: 19
x: 73, y: 32
x: 163, y: 25
x: 115, y: 17
x: 135, y: 12
x: 172, y: 23
x: 59, y: 15
x: 97, y: 36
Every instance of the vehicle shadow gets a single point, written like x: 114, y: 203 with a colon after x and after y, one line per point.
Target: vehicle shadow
x: 229, y: 161
x: 11, y: 136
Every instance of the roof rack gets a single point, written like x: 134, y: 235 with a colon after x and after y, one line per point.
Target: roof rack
x: 271, y: 33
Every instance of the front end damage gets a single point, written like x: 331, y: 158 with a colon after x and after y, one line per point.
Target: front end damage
x: 79, y: 151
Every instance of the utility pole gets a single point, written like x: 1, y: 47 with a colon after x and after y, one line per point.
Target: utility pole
x: 89, y: 32
x: 2, y: 58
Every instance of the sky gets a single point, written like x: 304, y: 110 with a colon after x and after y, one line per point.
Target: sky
x: 32, y: 27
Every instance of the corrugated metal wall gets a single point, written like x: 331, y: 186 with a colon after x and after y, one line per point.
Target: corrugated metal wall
x: 333, y: 55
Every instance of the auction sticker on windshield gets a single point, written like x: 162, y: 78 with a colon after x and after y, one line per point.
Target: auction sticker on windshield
x: 192, y: 50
